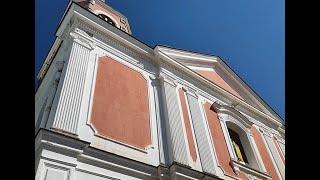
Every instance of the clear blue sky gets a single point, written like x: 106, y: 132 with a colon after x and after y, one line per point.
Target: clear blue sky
x: 248, y: 35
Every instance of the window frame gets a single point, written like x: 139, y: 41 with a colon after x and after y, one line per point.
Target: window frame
x: 231, y: 115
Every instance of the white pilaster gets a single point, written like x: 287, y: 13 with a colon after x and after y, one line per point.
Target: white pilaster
x: 262, y: 133
x: 256, y: 152
x: 162, y: 140
x: 275, y: 155
x: 207, y: 157
x: 176, y: 134
x: 68, y: 109
x: 85, y: 131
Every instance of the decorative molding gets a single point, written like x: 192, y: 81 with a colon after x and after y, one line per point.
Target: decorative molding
x: 281, y: 130
x: 191, y: 91
x: 152, y: 149
x: 92, y: 161
x: 96, y: 174
x: 224, y: 109
x: 107, y: 39
x: 86, y: 157
x: 145, y: 150
x: 265, y: 131
x: 155, y: 81
x: 92, y: 86
x: 249, y: 171
x: 82, y: 40
x: 168, y: 79
x: 225, y: 117
x: 141, y: 64
x: 189, y: 82
x: 184, y: 56
x: 122, y: 20
x: 53, y: 170
x: 176, y: 76
x: 279, y: 138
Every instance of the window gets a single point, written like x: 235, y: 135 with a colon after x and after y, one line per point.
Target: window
x: 106, y: 18
x: 240, y: 144
x: 237, y: 146
x: 236, y: 129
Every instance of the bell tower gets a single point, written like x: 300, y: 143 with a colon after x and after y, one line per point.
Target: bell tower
x: 107, y: 13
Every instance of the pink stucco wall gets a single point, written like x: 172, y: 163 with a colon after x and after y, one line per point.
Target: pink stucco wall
x: 120, y: 104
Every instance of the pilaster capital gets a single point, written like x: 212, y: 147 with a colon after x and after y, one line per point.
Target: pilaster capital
x: 165, y: 78
x: 191, y: 91
x: 155, y: 81
x: 81, y: 37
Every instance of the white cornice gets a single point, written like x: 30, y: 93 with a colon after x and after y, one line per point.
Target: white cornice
x: 111, y: 31
x: 184, y: 55
x: 77, y: 11
x: 281, y: 130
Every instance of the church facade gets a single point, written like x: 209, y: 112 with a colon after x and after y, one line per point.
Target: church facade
x: 110, y: 107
